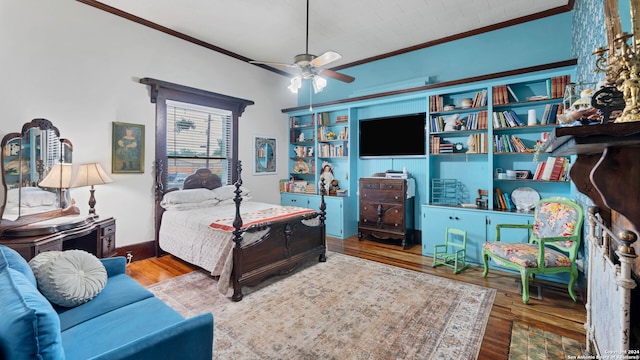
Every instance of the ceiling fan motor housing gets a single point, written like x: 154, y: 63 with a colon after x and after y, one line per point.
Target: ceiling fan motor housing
x: 303, y: 60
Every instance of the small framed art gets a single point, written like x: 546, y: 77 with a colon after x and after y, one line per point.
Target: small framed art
x: 127, y: 154
x: 264, y: 161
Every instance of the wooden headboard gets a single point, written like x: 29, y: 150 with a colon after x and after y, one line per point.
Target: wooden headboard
x: 202, y: 178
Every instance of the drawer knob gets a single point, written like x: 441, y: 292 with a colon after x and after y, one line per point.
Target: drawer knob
x: 365, y: 195
x: 396, y: 211
x: 396, y: 198
x: 365, y: 220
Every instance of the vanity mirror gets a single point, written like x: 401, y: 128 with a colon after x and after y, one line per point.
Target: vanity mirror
x: 36, y: 173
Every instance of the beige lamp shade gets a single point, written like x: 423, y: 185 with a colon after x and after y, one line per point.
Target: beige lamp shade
x: 91, y: 174
x: 59, y: 177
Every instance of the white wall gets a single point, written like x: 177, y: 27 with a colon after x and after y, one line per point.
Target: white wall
x: 79, y: 67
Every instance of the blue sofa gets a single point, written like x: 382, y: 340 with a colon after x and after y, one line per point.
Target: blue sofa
x: 125, y: 321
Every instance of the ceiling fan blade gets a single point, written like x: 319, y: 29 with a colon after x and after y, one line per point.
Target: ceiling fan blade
x: 326, y: 58
x: 336, y: 75
x: 273, y: 64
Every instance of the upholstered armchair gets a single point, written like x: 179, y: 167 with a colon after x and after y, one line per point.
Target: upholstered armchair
x: 552, y: 247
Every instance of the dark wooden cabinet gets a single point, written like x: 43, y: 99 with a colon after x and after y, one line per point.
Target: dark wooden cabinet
x: 386, y: 209
x: 96, y: 236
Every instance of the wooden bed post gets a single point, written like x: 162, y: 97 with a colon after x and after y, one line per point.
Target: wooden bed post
x: 323, y: 216
x: 237, y: 238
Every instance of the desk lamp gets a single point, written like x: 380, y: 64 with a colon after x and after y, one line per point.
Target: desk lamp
x: 59, y: 177
x: 89, y: 175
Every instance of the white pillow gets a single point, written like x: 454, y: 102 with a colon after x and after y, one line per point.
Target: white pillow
x: 188, y: 196
x: 189, y: 206
x: 69, y: 278
x: 31, y: 197
x: 226, y: 192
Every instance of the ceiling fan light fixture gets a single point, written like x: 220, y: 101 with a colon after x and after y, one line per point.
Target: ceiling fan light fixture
x: 319, y: 83
x: 296, y: 84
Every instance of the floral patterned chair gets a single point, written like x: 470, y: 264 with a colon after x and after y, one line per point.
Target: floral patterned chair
x: 552, y: 247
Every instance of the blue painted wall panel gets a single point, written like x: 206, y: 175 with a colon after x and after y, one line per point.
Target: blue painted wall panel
x: 529, y: 44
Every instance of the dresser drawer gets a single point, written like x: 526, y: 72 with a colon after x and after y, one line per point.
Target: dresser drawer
x: 382, y: 196
x: 391, y: 215
x: 383, y: 185
x: 109, y: 229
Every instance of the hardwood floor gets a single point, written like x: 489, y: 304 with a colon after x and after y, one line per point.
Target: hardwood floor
x: 556, y: 312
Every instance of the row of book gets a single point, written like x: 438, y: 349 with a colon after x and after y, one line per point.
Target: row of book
x: 501, y: 94
x: 323, y: 118
x: 507, y: 118
x: 556, y: 86
x: 333, y: 150
x: 503, y: 201
x: 554, y: 169
x: 550, y: 114
x: 506, y: 143
x: 475, y: 121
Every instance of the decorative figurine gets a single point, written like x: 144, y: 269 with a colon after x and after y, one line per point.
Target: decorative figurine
x: 452, y: 123
x: 327, y: 175
x: 471, y: 144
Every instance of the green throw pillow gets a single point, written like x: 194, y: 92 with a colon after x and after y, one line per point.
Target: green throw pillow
x: 69, y: 278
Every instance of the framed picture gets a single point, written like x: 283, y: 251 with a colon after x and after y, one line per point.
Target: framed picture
x: 127, y: 148
x: 264, y: 161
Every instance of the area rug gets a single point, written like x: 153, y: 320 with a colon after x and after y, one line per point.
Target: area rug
x: 531, y: 343
x: 345, y: 308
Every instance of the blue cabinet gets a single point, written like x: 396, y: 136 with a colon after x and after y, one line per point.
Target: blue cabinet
x: 436, y: 219
x: 336, y: 224
x: 479, y: 225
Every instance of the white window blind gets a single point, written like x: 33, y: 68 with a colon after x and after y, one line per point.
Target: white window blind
x: 197, y: 137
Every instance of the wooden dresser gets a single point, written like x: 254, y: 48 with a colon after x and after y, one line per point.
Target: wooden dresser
x: 96, y: 236
x: 386, y: 210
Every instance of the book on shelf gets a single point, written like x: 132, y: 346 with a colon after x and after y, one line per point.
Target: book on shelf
x: 539, y: 169
x: 342, y: 118
x: 558, y: 169
x: 548, y: 168
x: 500, y: 202
x: 513, y: 94
x: 508, y: 202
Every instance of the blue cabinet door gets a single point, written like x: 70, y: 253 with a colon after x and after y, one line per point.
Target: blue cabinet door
x: 437, y: 219
x: 335, y: 216
x: 334, y: 221
x: 509, y: 235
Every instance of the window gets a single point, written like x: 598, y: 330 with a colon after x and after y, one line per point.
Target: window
x: 194, y: 129
x: 197, y: 137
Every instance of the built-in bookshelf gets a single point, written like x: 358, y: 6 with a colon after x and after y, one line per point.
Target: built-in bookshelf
x: 318, y: 141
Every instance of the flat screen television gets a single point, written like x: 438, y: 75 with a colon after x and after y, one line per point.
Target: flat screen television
x: 393, y: 136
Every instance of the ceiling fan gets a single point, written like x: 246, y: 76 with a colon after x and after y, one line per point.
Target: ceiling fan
x: 310, y: 67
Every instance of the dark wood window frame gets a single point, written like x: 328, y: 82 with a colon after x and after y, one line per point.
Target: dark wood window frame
x: 161, y: 91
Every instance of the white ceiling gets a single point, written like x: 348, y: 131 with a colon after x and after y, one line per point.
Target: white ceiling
x: 274, y: 30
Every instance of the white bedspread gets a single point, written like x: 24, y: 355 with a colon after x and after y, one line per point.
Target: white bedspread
x: 186, y: 234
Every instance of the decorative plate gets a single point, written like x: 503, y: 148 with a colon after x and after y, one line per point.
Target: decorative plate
x: 525, y: 198
x: 301, y: 167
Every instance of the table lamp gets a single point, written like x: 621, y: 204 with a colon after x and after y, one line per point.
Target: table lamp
x: 89, y: 175
x: 58, y: 177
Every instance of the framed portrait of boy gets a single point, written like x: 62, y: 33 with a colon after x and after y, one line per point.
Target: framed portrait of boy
x: 127, y: 155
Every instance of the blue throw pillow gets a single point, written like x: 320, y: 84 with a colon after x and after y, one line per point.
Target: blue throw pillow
x: 30, y: 328
x: 11, y: 258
